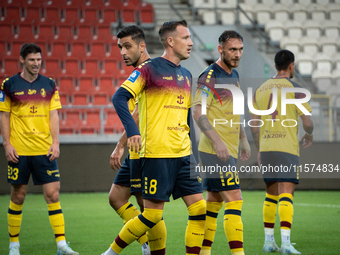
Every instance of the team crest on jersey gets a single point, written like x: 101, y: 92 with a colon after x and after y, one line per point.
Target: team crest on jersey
x: 205, y: 91
x: 2, y: 96
x: 43, y: 92
x: 133, y: 77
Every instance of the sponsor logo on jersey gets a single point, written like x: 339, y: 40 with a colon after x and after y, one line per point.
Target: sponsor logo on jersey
x: 2, y: 96
x: 21, y: 93
x: 50, y: 172
x: 56, y: 95
x: 167, y: 78
x: 32, y: 91
x: 180, y: 77
x: 133, y: 77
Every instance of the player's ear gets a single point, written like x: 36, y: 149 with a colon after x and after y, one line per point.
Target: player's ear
x: 220, y: 49
x: 170, y: 41
x: 21, y: 59
x: 142, y: 46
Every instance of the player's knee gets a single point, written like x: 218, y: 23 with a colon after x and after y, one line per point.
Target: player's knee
x: 18, y: 196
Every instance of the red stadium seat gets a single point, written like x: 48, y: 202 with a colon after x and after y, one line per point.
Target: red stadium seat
x: 80, y: 98
x: 50, y: 14
x: 97, y: 49
x: 64, y: 32
x: 7, y: 29
x: 103, y: 32
x: 89, y: 15
x: 66, y: 84
x: 146, y: 15
x: 50, y: 65
x: 128, y: 14
x: 71, y: 66
x: 25, y: 30
x: 31, y: 13
x: 11, y: 12
x: 75, y: 3
x: 109, y: 66
x: 44, y: 31
x: 112, y: 122
x: 71, y: 121
x: 11, y: 65
x: 77, y: 49
x: 14, y: 47
x: 69, y: 14
x: 86, y: 84
x: 110, y: 16
x: 92, y: 122
x: 58, y: 48
x: 113, y: 51
x: 83, y: 32
x: 90, y: 66
x: 106, y: 83
x: 100, y: 98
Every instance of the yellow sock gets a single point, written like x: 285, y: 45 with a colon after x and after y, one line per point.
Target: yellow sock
x: 136, y: 227
x: 194, y: 233
x: 14, y: 218
x: 269, y: 215
x: 127, y: 212
x: 55, y: 214
x: 233, y: 226
x: 286, y: 210
x: 157, y: 238
x: 210, y: 226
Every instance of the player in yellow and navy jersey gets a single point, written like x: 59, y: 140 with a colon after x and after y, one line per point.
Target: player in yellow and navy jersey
x: 131, y: 42
x: 277, y: 146
x: 30, y: 130
x: 162, y: 88
x: 219, y: 144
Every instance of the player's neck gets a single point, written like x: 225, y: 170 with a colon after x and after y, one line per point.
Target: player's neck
x: 226, y: 68
x: 171, y: 57
x: 143, y: 58
x: 28, y: 77
x: 282, y: 74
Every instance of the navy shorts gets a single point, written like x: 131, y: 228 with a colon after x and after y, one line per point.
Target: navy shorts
x: 123, y: 176
x: 42, y: 169
x: 130, y: 167
x: 163, y: 177
x: 219, y: 175
x: 279, y: 166
x: 136, y: 176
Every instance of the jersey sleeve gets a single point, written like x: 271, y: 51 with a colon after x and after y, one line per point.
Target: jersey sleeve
x: 306, y: 105
x: 5, y: 100
x: 204, y: 85
x: 55, y: 100
x: 137, y: 79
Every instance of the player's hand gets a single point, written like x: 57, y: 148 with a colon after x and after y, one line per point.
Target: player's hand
x: 53, y: 151
x: 134, y: 143
x: 259, y: 158
x: 221, y: 151
x: 11, y: 154
x: 307, y: 140
x: 244, y: 149
x: 115, y: 158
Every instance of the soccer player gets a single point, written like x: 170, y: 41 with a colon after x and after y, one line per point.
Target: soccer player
x: 278, y: 145
x: 219, y: 144
x: 163, y: 90
x: 131, y: 42
x: 30, y: 130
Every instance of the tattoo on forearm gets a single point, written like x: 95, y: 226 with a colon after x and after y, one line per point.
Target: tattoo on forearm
x: 256, y: 138
x: 242, y: 133
x: 204, y: 124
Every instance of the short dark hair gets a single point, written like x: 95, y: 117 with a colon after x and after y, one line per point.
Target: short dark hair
x: 170, y: 26
x: 283, y: 59
x: 28, y: 48
x: 136, y: 33
x: 229, y: 34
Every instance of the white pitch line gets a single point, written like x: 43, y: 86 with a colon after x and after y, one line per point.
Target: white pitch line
x: 317, y: 205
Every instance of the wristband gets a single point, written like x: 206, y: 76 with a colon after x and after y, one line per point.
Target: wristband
x: 310, y: 134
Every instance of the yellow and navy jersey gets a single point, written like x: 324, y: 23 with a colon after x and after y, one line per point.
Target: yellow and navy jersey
x: 276, y: 135
x: 219, y: 106
x: 163, y: 92
x: 29, y: 104
x: 132, y: 106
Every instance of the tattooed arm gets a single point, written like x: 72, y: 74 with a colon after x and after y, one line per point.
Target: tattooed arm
x: 205, y: 126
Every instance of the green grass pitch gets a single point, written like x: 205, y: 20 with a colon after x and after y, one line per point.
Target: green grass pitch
x: 91, y: 224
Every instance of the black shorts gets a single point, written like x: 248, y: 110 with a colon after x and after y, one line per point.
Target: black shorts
x: 42, y: 169
x: 130, y: 168
x: 163, y: 177
x: 279, y: 166
x: 219, y: 175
